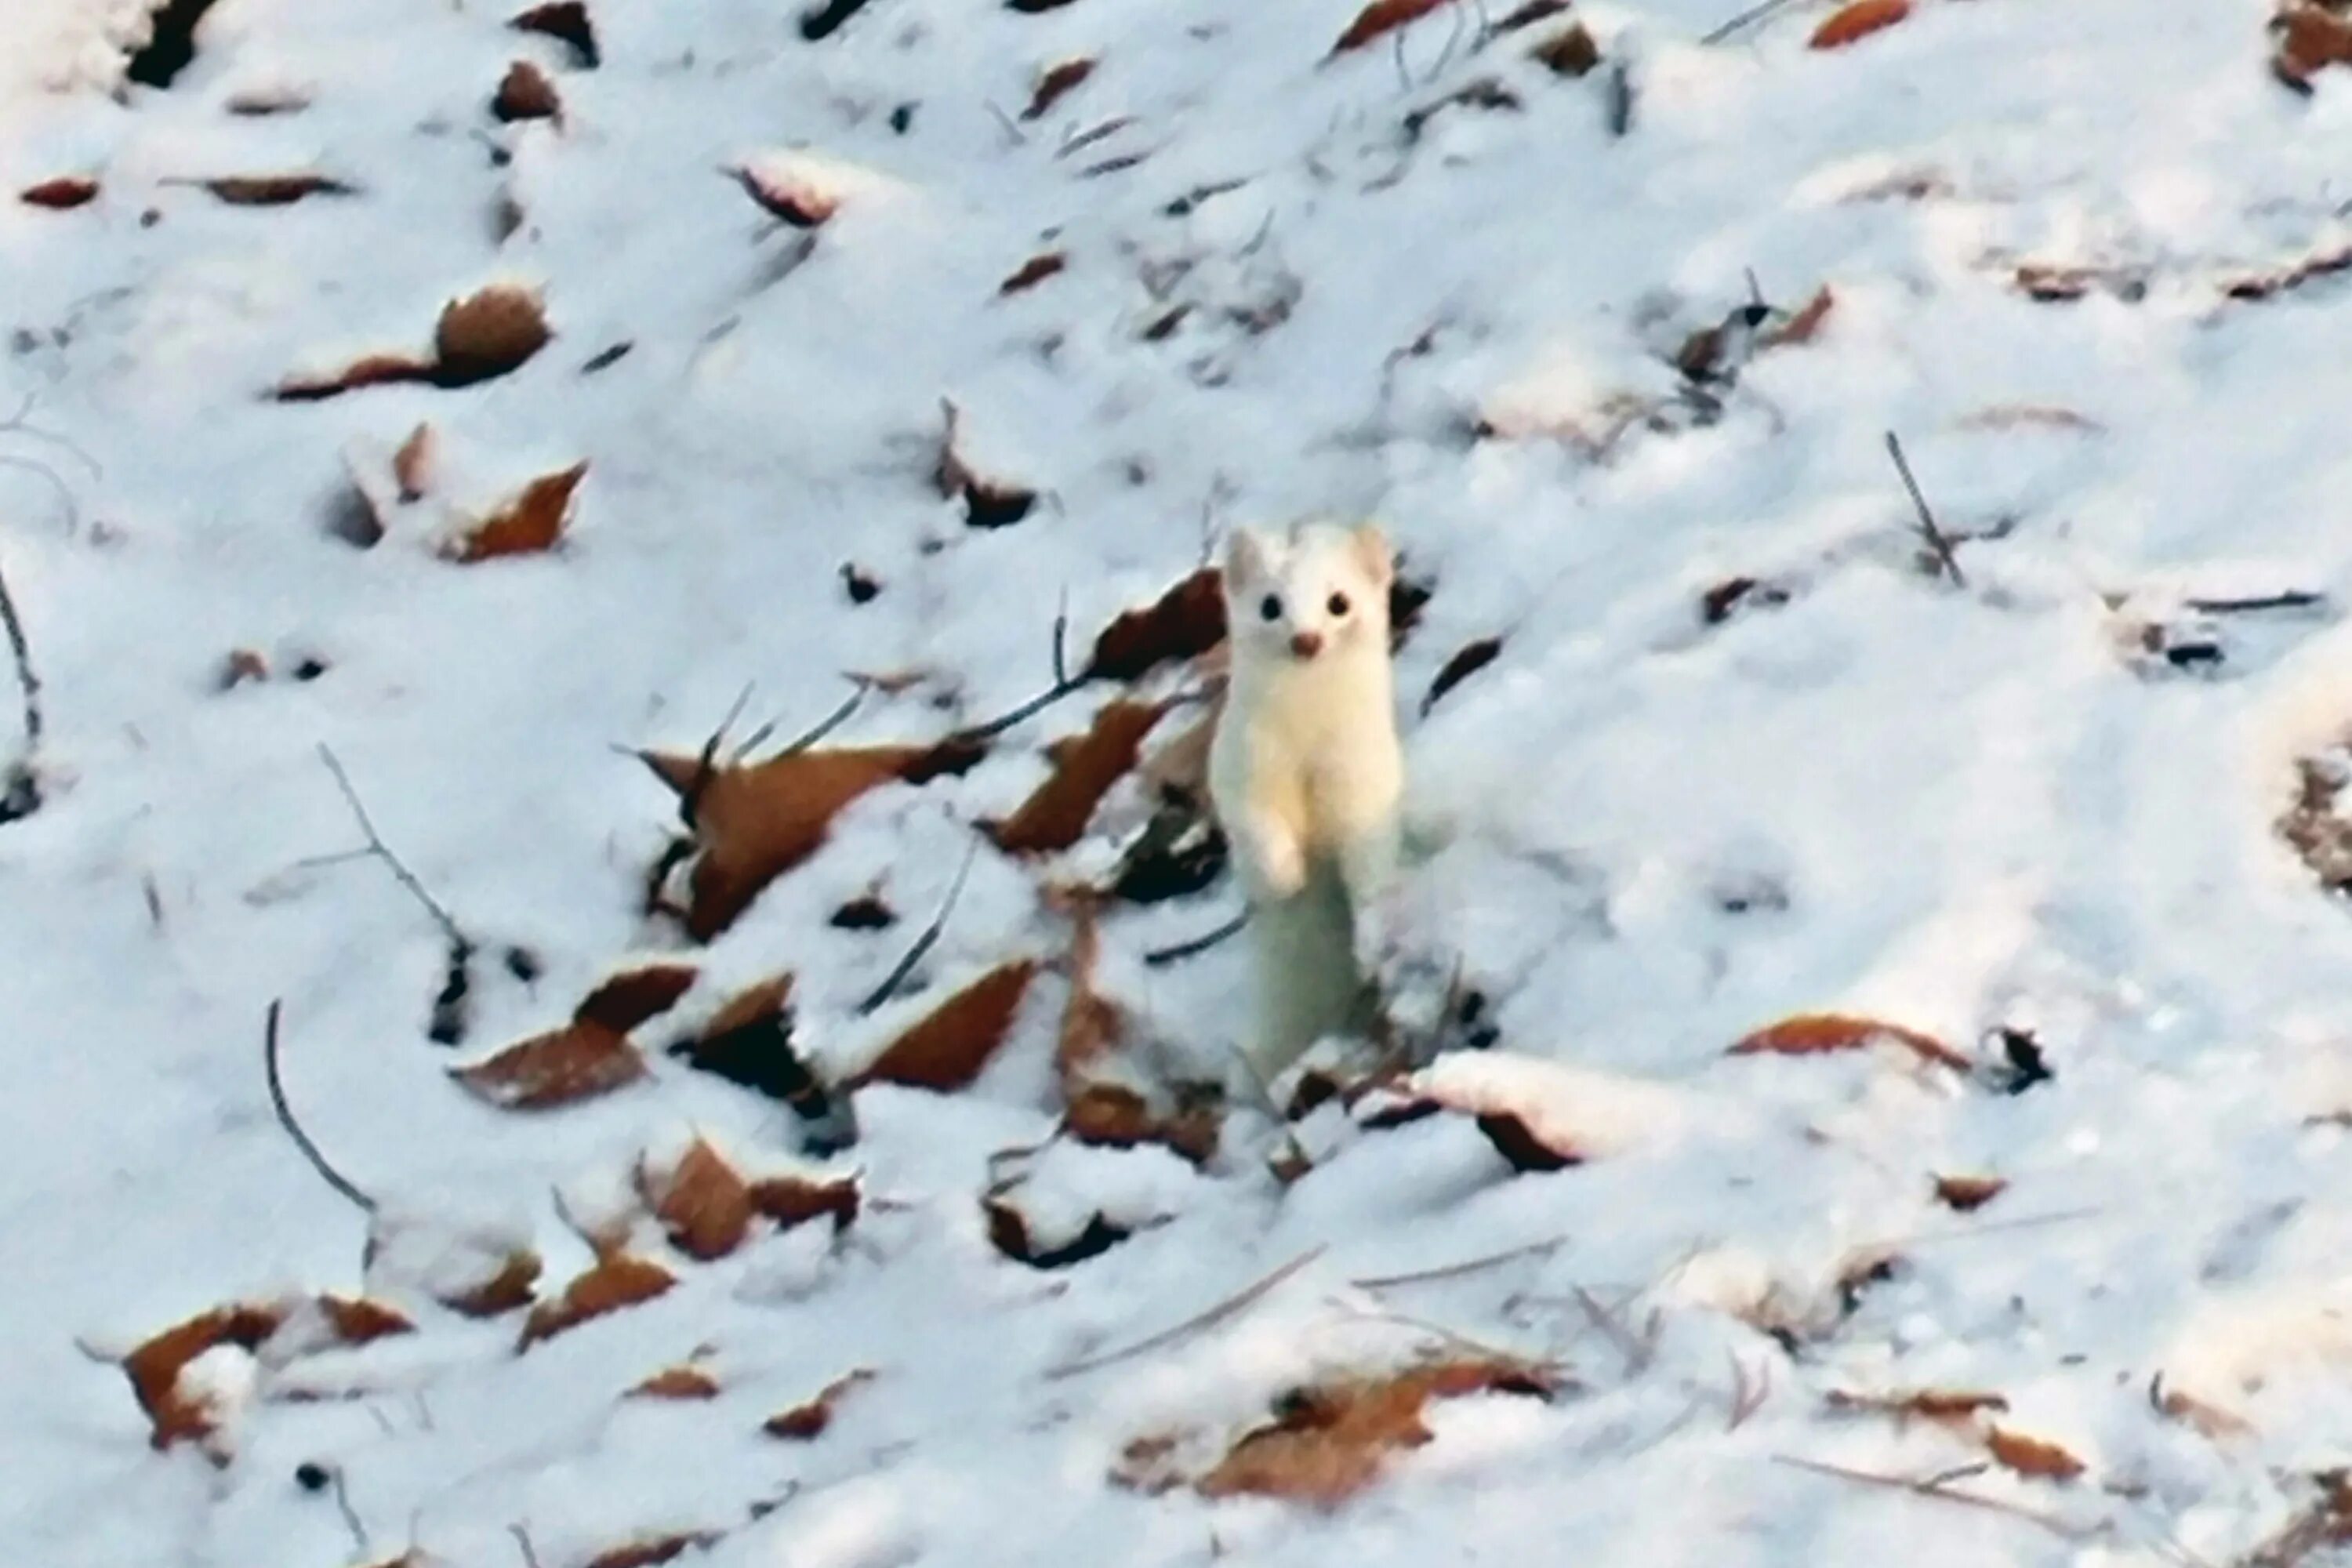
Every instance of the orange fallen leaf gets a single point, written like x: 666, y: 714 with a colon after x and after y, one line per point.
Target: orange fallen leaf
x: 1329, y: 1442
x: 678, y: 1382
x: 622, y: 1002
x: 1858, y: 21
x: 1092, y: 1023
x: 488, y: 333
x: 530, y: 521
x: 357, y: 1321
x: 794, y: 1200
x: 809, y: 1419
x: 1055, y: 815
x: 2310, y: 38
x: 1033, y: 271
x: 155, y: 1366
x: 562, y: 1066
x: 1380, y: 18
x: 613, y: 1284
x: 61, y: 195
x: 2031, y: 1456
x: 507, y: 1289
x: 1183, y: 624
x: 754, y: 823
x: 1806, y: 324
x: 1812, y: 1033
x: 1057, y: 82
x: 274, y: 190
x: 1965, y: 1194
x: 1115, y: 1117
x: 654, y: 1550
x: 526, y: 93
x: 701, y: 1201
x: 946, y: 1050
x: 989, y: 501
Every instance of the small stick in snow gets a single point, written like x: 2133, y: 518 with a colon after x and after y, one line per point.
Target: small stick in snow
x: 2290, y: 599
x: 20, y: 791
x: 1230, y: 1307
x: 811, y: 736
x: 1936, y: 540
x: 1460, y: 1342
x: 351, y: 1515
x: 1638, y: 1350
x: 1621, y: 99
x: 923, y: 943
x: 376, y: 847
x: 1063, y: 686
x: 1941, y: 1491
x: 334, y: 1178
x: 1746, y: 19
x: 1161, y: 957
x: 522, y: 1540
x: 1455, y: 1270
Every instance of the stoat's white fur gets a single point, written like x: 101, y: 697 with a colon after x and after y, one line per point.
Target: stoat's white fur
x: 1304, y: 770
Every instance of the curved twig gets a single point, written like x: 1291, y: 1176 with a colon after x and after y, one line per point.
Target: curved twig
x: 923, y: 943
x: 334, y: 1178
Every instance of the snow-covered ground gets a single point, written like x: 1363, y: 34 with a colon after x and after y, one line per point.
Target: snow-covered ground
x: 1432, y: 279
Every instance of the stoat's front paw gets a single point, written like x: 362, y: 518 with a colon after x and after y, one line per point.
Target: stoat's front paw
x: 1280, y: 862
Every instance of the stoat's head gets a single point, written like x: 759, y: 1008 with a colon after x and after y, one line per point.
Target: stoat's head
x: 1317, y: 591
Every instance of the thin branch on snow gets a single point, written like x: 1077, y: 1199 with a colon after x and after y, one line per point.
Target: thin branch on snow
x: 2288, y: 599
x: 923, y: 943
x: 351, y: 1515
x: 1232, y: 1306
x: 20, y: 792
x: 1064, y: 685
x: 522, y: 1534
x: 815, y: 732
x: 1161, y: 957
x: 377, y: 847
x: 1745, y: 20
x: 1935, y: 536
x: 1456, y: 1270
x: 1940, y: 1491
x: 319, y: 1162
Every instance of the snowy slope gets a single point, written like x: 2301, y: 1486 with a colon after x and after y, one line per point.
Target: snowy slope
x: 1958, y: 808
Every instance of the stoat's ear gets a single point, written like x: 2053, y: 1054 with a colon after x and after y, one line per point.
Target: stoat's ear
x: 1246, y: 558
x: 1372, y: 553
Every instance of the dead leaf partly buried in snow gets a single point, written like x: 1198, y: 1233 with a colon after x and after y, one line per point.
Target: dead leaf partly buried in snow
x: 563, y: 1066
x: 651, y: 1552
x: 947, y: 1048
x: 1380, y: 18
x: 1814, y: 1034
x: 411, y: 465
x: 795, y: 1200
x: 754, y: 822
x: 1011, y: 1233
x: 678, y: 1382
x: 1942, y: 1404
x: 1570, y: 52
x: 1330, y: 1441
x: 1858, y: 21
x: 2031, y: 1456
x: 488, y: 333
x: 2310, y: 38
x: 1033, y: 271
x: 507, y: 1288
x: 1965, y: 1194
x: 1805, y: 325
x: 61, y: 194
x: 791, y: 188
x: 809, y: 1419
x: 612, y: 1285
x: 155, y: 1367
x: 274, y: 190
x: 529, y: 522
x: 701, y: 1201
x: 1182, y: 624
x: 1057, y: 82
x: 1085, y: 766
x: 526, y: 93
x: 566, y: 21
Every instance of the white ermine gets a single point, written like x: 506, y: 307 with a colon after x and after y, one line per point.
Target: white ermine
x: 1305, y: 772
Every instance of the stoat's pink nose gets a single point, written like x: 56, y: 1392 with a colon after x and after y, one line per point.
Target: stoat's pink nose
x: 1306, y: 645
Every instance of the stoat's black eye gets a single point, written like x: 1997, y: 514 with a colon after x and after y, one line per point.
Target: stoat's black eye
x: 1271, y: 606
x: 1337, y: 604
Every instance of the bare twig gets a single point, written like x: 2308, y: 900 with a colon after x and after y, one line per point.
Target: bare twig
x: 1230, y: 1307
x: 1460, y: 1342
x: 1062, y: 638
x: 522, y: 1534
x: 1747, y: 1394
x: 376, y: 847
x: 351, y: 1516
x: 19, y: 424
x: 815, y: 732
x: 1161, y: 957
x: 923, y: 943
x: 2290, y: 599
x: 334, y: 1178
x: 1455, y: 1270
x: 1941, y: 1492
x: 1936, y: 540
x: 1746, y: 19
x: 1064, y: 685
x: 1638, y: 1350
x: 20, y: 792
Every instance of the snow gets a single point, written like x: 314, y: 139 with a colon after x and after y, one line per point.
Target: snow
x: 1640, y: 835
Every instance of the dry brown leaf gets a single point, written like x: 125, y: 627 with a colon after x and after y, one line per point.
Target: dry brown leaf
x: 2285, y: 279
x: 1570, y: 52
x: 566, y: 21
x: 753, y: 824
x: 1329, y: 1442
x: 526, y: 93
x: 562, y: 1066
x: 411, y: 465
x: 1092, y: 1023
x: 1965, y: 1194
x: 652, y: 1551
x: 809, y: 1419
x: 155, y: 1367
x: 61, y: 195
x: 989, y: 501
x: 357, y: 1321
x: 1118, y: 1118
x: 622, y: 1002
x: 509, y: 1287
x: 2209, y: 1420
x: 1010, y: 1233
x: 2031, y: 1456
x: 701, y: 1201
x: 1055, y: 815
x: 274, y: 190
x: 947, y: 1048
x: 2060, y: 282
x: 1033, y: 271
x: 1858, y: 21
x: 1183, y: 624
x: 242, y: 665
x: 612, y: 1285
x: 2310, y: 38
x: 1947, y: 1404
x: 1380, y: 18
x: 1812, y: 1033
x: 532, y: 522
x: 1806, y: 324
x: 488, y: 333
x: 1057, y: 82
x: 794, y: 1200
x: 793, y: 197
x: 678, y: 1382
x: 369, y: 370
